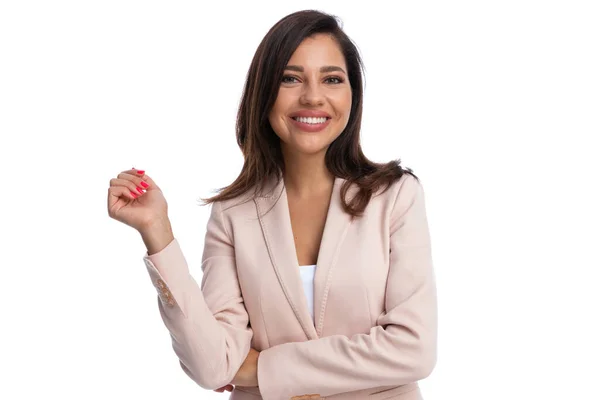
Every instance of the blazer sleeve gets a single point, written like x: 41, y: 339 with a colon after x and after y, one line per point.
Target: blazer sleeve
x: 208, y: 324
x: 400, y: 349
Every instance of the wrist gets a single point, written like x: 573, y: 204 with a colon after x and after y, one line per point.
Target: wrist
x: 157, y: 235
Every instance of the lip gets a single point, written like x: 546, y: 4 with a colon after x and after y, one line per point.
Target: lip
x: 310, y: 127
x: 310, y: 113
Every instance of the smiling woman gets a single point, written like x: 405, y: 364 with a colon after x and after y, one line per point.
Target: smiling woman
x: 306, y: 66
x: 315, y: 94
x: 317, y: 270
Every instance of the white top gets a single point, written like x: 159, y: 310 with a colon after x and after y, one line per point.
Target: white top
x: 307, y: 273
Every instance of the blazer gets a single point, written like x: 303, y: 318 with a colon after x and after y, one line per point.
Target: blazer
x: 375, y: 308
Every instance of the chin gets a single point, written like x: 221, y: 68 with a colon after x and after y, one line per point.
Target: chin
x: 310, y: 150
x: 307, y: 143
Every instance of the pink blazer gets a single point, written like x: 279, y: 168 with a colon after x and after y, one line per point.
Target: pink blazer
x: 375, y: 303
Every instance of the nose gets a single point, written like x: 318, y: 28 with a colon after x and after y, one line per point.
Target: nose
x: 312, y: 94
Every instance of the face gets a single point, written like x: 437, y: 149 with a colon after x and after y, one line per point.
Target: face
x: 314, y: 100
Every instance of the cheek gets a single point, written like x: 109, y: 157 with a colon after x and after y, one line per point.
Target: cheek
x: 277, y: 121
x: 345, y: 111
x: 344, y: 104
x: 277, y: 115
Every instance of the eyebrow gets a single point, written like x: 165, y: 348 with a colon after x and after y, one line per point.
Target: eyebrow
x: 328, y: 68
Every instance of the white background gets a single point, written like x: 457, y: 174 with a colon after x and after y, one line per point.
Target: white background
x: 495, y: 105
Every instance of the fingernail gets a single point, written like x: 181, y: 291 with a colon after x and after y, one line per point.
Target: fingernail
x: 133, y: 194
x: 144, y: 184
x: 140, y: 171
x: 140, y: 190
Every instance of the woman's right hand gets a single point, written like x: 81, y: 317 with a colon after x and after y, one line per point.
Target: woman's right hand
x: 229, y: 388
x: 129, y: 204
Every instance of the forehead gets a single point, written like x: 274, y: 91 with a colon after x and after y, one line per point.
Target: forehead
x: 316, y: 51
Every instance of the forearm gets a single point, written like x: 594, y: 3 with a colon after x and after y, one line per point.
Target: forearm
x: 334, y: 364
x: 209, y: 331
x: 246, y: 376
x: 157, y: 235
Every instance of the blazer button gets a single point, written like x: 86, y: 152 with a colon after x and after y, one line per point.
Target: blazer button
x: 169, y: 301
x: 168, y: 297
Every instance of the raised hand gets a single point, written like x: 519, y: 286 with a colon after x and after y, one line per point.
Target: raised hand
x: 136, y: 200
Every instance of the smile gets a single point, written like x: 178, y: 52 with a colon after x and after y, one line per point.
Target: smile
x: 311, y: 124
x: 311, y: 120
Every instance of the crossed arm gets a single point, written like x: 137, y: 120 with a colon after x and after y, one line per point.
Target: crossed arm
x: 212, y: 338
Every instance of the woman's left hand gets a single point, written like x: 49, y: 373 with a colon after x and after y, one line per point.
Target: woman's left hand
x: 229, y: 388
x: 247, y: 374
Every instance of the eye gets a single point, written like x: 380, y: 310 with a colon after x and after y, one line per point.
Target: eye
x: 288, y: 79
x: 336, y: 80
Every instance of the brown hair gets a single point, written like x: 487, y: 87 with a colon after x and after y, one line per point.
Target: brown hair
x: 260, y: 145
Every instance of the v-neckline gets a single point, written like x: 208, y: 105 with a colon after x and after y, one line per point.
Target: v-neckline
x: 275, y: 220
x: 287, y: 204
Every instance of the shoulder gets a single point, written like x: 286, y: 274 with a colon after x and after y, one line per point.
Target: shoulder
x: 391, y: 203
x: 266, y: 188
x: 408, y: 203
x: 232, y: 206
x: 405, y: 187
x: 240, y: 207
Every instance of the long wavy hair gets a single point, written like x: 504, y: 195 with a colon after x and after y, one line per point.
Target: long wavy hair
x: 260, y: 145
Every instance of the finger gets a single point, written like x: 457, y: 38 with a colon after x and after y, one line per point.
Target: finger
x: 122, y: 191
x: 140, y: 183
x: 128, y: 184
x: 135, y: 175
x: 150, y: 181
x: 134, y: 172
x: 116, y: 192
x: 143, y: 176
x: 229, y: 388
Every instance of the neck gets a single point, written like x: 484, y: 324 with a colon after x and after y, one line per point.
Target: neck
x: 307, y: 176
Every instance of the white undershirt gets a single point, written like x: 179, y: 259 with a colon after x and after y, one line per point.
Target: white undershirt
x: 307, y: 273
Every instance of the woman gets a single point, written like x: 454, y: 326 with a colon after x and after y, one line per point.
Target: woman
x: 317, y: 272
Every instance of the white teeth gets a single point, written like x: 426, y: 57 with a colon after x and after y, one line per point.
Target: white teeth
x: 311, y: 120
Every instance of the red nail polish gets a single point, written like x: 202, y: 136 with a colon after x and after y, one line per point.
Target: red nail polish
x: 133, y: 194
x: 144, y: 184
x: 140, y: 190
x: 140, y: 171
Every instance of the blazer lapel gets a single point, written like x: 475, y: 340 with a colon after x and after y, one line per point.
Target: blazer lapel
x: 336, y: 227
x: 274, y: 217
